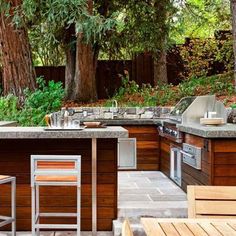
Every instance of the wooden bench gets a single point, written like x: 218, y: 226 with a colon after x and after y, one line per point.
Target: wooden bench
x: 211, y: 201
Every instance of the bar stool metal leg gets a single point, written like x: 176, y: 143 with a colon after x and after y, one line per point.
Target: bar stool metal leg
x: 5, y: 220
x: 37, y: 209
x: 33, y: 209
x: 13, y: 206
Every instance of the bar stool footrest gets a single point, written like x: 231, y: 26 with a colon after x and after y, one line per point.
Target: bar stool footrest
x: 6, y: 221
x: 56, y: 226
x: 57, y: 215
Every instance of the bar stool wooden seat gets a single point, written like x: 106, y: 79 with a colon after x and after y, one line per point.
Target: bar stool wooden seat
x: 5, y: 220
x: 54, y: 170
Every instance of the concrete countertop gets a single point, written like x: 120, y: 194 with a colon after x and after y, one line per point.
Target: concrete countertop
x: 124, y: 122
x: 221, y: 131
x: 113, y: 131
x: 40, y: 133
x: 8, y: 123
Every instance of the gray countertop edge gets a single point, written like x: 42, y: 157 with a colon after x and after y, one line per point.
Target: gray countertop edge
x: 40, y: 133
x: 223, y: 131
x: 116, y: 131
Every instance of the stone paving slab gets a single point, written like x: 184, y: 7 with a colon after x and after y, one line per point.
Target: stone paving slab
x: 166, y: 197
x: 133, y: 197
x: 139, y: 191
x: 153, y: 205
x: 149, y: 193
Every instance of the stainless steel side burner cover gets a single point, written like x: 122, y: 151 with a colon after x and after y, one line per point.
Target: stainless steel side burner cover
x: 191, y: 109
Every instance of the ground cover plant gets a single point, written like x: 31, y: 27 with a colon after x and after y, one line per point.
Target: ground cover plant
x: 45, y: 99
x: 130, y: 94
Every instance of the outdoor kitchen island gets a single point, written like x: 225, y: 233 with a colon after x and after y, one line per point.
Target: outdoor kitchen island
x: 98, y: 150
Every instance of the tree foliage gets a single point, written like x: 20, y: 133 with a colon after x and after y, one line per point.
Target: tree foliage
x: 200, y: 18
x: 117, y: 27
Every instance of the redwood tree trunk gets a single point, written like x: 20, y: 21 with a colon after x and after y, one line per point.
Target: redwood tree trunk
x: 17, y: 66
x: 86, y: 64
x: 70, y: 74
x: 233, y: 11
x: 160, y: 68
x: 85, y: 82
x: 70, y: 51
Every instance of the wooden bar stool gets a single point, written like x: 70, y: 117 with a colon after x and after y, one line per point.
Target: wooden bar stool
x: 5, y: 220
x: 54, y: 170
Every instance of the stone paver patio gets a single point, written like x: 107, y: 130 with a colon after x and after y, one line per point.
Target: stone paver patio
x: 149, y: 193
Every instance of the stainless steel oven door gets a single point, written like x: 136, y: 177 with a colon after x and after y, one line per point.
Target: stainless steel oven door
x: 175, y: 165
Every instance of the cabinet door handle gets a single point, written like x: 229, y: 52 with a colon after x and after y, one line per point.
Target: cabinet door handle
x: 187, y: 154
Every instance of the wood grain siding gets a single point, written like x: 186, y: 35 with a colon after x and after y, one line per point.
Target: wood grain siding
x: 224, y: 162
x: 15, y: 160
x: 191, y: 176
x: 147, y: 146
x: 165, y: 156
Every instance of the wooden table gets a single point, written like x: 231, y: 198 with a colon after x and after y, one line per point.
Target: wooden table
x: 189, y: 227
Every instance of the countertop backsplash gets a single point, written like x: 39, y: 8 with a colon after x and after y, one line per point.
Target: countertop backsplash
x: 93, y: 113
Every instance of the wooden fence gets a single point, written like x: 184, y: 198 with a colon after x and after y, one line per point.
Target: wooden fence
x: 108, y: 75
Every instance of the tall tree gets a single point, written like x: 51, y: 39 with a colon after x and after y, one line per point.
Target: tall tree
x: 233, y: 10
x: 86, y: 65
x: 147, y: 30
x: 78, y: 26
x: 84, y: 27
x: 17, y: 67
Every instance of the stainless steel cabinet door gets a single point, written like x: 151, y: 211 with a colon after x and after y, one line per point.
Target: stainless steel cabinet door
x: 127, y: 153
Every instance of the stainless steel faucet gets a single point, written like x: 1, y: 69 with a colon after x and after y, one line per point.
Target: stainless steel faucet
x: 114, y: 107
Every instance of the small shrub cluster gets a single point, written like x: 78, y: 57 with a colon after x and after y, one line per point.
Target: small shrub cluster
x: 131, y: 94
x: 206, y: 57
x: 45, y: 99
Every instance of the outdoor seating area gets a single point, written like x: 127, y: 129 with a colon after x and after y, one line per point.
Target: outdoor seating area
x: 212, y: 203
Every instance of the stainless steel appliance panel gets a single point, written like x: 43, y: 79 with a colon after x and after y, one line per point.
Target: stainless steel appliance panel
x: 127, y: 157
x: 175, y: 165
x: 192, y: 155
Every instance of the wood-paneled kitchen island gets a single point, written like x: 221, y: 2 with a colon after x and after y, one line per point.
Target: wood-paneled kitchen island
x: 18, y: 143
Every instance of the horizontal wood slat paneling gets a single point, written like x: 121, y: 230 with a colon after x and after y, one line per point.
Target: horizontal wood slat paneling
x: 147, y: 138
x: 225, y: 145
x: 225, y: 170
x: 192, y: 176
x: 165, y: 156
x: 15, y: 159
x: 224, y: 181
x: 224, y: 162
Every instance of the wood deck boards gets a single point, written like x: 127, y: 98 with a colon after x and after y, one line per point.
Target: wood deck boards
x: 191, y: 227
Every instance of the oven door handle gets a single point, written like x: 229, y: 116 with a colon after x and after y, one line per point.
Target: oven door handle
x: 186, y: 154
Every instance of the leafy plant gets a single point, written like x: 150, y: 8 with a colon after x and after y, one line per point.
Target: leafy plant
x: 44, y: 100
x: 9, y: 108
x: 130, y: 94
x: 233, y: 106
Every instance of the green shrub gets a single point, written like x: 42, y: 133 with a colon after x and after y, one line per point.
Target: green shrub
x: 45, y: 99
x: 233, y: 106
x: 9, y: 108
x: 130, y: 94
x: 200, y: 55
